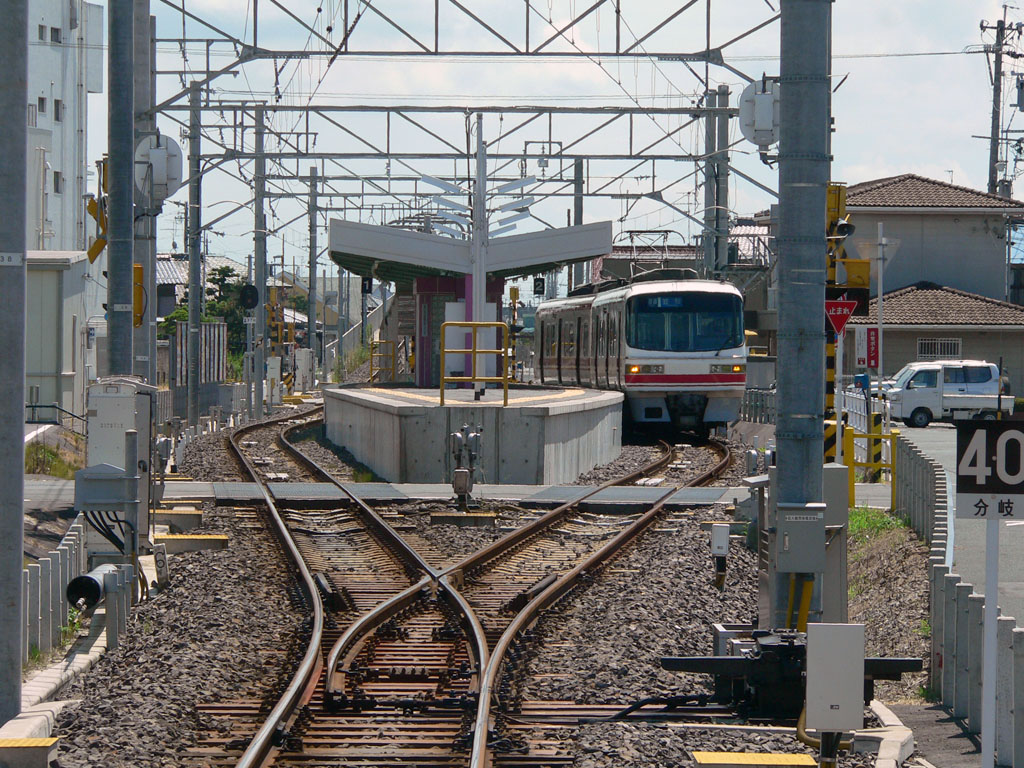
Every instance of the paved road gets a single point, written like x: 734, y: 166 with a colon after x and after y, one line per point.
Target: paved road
x: 939, y: 442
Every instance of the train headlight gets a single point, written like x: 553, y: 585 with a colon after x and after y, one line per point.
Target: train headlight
x: 634, y: 369
x: 730, y: 368
x: 647, y: 369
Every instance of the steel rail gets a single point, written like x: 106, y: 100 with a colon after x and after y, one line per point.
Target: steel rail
x: 300, y: 687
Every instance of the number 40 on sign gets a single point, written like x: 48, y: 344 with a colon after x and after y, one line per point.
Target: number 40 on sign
x: 989, y: 469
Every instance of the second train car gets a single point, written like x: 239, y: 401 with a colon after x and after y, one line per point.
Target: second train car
x: 672, y: 344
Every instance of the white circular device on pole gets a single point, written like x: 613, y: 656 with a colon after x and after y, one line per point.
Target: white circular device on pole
x: 158, y: 161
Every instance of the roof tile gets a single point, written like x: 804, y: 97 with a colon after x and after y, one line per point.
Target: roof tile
x: 930, y: 304
x: 909, y: 190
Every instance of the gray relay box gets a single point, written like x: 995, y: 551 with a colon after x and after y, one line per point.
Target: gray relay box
x: 800, y: 538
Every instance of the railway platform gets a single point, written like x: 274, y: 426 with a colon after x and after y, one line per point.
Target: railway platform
x: 543, y: 434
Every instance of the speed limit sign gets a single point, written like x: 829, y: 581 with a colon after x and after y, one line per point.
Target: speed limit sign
x: 989, y: 469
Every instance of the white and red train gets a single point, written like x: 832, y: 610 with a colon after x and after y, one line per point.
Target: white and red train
x: 675, y: 347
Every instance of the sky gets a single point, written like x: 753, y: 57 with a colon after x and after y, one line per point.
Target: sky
x: 911, y: 93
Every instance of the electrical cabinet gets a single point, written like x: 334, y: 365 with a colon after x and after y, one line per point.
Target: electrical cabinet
x: 835, y: 677
x: 800, y: 538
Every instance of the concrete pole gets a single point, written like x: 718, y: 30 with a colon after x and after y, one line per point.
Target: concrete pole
x: 145, y: 227
x: 803, y: 179
x: 195, y: 283
x: 311, y: 314
x: 247, y: 368
x: 260, y: 243
x: 710, y: 184
x: 578, y: 271
x: 13, y: 170
x: 479, y: 246
x: 997, y: 102
x: 722, y: 197
x: 151, y: 310
x: 121, y: 175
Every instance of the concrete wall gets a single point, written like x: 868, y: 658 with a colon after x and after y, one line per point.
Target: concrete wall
x: 900, y: 347
x: 965, y: 251
x: 530, y: 445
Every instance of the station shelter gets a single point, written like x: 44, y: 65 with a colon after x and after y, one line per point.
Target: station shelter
x: 434, y: 273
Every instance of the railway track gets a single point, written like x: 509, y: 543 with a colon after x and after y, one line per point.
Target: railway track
x: 415, y: 677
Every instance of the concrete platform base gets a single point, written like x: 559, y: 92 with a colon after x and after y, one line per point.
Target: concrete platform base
x: 27, y: 753
x: 544, y: 435
x: 178, y: 519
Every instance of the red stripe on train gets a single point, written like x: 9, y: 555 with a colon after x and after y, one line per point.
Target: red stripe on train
x: 686, y: 378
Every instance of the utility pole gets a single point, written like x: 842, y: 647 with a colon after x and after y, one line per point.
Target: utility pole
x: 311, y: 313
x: 260, y: 237
x: 722, y: 166
x: 13, y: 170
x: 248, y: 367
x: 710, y: 183
x: 577, y: 271
x: 804, y: 162
x: 144, y: 337
x: 195, y: 218
x: 997, y: 103
x: 121, y: 175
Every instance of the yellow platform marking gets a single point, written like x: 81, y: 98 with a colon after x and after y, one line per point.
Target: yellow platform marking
x: 434, y: 399
x: 217, y: 536
x: 39, y: 742
x: 752, y: 758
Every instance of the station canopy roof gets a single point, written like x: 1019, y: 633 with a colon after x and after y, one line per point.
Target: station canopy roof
x: 399, y: 255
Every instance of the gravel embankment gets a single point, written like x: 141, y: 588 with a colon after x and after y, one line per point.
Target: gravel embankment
x: 690, y: 461
x: 206, y: 638
x: 342, y: 465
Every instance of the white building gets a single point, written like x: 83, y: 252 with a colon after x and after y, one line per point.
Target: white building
x: 65, y: 329
x: 65, y: 64
x: 66, y: 324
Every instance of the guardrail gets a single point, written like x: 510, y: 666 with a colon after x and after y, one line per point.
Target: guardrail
x: 921, y: 492
x: 474, y: 351
x: 61, y: 416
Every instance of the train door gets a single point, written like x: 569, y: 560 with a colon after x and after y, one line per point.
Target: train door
x: 601, y: 361
x: 586, y: 352
x: 579, y: 347
x: 539, y: 341
x: 614, y: 368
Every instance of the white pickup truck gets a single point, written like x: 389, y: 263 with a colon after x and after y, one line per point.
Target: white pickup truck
x: 946, y: 390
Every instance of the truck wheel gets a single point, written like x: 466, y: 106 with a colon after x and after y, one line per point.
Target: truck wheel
x: 988, y: 416
x: 920, y: 417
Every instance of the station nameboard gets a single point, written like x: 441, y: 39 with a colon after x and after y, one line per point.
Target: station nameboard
x: 989, y: 469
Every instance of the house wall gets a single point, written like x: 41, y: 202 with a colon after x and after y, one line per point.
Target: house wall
x: 899, y: 347
x: 964, y: 251
x: 63, y: 303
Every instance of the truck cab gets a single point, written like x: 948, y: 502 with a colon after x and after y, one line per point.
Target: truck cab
x: 946, y: 390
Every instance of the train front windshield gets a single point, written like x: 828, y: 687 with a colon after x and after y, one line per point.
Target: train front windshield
x: 685, y: 322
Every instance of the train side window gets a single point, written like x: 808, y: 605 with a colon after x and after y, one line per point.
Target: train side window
x: 568, y: 339
x: 552, y: 338
x: 613, y: 337
x: 600, y: 336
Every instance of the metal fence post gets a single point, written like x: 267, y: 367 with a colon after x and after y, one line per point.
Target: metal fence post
x: 938, y: 574
x: 962, y: 640
x: 45, y: 607
x: 975, y: 618
x: 56, y: 619
x: 111, y: 606
x: 1004, y: 690
x: 33, y: 607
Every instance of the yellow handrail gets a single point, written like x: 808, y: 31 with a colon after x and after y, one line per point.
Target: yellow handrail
x: 376, y: 354
x: 850, y: 459
x: 475, y: 351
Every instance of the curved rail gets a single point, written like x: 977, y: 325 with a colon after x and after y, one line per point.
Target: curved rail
x: 480, y: 757
x: 300, y: 687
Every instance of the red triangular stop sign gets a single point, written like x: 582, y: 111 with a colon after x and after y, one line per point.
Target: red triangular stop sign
x: 838, y: 312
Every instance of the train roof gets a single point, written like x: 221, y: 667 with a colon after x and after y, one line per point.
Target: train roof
x: 642, y: 289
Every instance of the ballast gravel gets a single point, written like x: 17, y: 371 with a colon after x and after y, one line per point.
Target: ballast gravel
x: 224, y: 629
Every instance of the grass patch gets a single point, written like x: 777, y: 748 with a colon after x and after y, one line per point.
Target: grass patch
x: 42, y: 459
x: 362, y: 476
x: 926, y: 693
x: 924, y: 629
x: 866, y: 523
x: 356, y: 357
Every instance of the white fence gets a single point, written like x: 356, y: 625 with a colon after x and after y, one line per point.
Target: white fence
x: 44, y: 592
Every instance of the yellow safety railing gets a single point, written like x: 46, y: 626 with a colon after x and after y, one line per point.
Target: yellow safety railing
x: 874, y: 439
x: 474, y: 351
x: 382, y: 350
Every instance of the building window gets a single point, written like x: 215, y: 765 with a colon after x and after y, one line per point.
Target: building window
x: 32, y: 116
x: 58, y: 182
x: 42, y: 33
x: 938, y: 349
x: 58, y: 110
x: 41, y: 101
x: 55, y: 35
